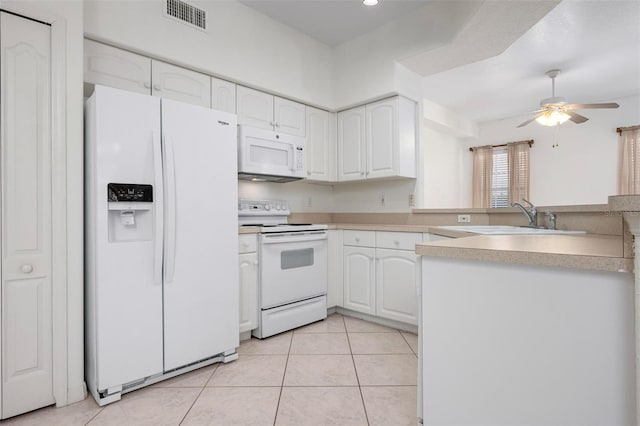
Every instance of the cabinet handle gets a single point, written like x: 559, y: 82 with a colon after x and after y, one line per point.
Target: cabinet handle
x: 361, y: 173
x: 156, y: 87
x: 26, y: 268
x: 308, y: 173
x: 147, y: 85
x: 357, y: 240
x: 271, y: 123
x: 277, y: 124
x: 396, y: 242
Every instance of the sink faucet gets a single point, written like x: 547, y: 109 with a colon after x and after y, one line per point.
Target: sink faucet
x: 531, y: 213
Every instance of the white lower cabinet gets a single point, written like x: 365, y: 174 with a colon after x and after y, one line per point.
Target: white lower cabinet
x: 248, y: 283
x: 359, y: 276
x: 380, y: 273
x: 396, y: 293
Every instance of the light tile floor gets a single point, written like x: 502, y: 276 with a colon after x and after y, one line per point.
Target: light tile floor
x: 341, y: 371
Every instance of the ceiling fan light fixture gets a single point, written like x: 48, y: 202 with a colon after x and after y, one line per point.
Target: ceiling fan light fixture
x: 370, y: 2
x: 552, y: 118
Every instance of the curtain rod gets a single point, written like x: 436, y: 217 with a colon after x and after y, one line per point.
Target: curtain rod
x: 621, y: 129
x: 530, y: 142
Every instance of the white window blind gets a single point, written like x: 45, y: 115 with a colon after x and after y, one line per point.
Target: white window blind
x: 500, y: 178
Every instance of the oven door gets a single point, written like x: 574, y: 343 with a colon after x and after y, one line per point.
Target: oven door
x: 293, y: 266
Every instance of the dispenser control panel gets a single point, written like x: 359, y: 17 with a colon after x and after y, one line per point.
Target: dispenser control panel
x: 129, y: 192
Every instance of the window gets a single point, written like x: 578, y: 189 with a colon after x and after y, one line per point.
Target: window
x: 500, y: 178
x: 500, y: 174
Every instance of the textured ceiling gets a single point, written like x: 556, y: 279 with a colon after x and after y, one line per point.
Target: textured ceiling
x: 333, y: 22
x: 596, y: 44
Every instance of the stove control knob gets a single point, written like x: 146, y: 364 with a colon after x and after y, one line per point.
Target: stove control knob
x: 278, y: 206
x: 267, y: 207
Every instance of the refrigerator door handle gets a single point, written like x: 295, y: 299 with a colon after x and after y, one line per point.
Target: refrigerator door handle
x: 158, y: 196
x: 170, y: 185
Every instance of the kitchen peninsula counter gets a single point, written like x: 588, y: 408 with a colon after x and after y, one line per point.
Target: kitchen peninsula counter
x: 586, y: 251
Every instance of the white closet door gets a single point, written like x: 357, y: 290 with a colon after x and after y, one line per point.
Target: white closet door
x: 27, y: 380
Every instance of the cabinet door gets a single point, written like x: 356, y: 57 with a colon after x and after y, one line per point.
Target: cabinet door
x: 255, y: 108
x: 248, y: 291
x: 382, y: 138
x: 359, y: 279
x: 321, y: 156
x: 25, y: 140
x: 396, y: 294
x: 180, y: 84
x: 223, y: 95
x: 351, y: 144
x: 118, y: 68
x: 289, y: 117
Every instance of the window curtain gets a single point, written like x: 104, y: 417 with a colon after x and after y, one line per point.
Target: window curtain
x: 518, y: 160
x: 629, y: 162
x: 482, y: 174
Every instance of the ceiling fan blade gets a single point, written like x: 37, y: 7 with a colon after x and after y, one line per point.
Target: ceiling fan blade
x: 592, y: 106
x: 531, y: 119
x: 521, y: 114
x: 576, y: 118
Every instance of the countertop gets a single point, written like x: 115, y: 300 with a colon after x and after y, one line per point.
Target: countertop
x: 586, y: 251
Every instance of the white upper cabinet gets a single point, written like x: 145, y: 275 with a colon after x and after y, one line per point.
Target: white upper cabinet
x: 289, y: 117
x: 223, y: 95
x: 351, y: 144
x: 321, y: 144
x: 118, y: 68
x: 255, y: 108
x: 180, y: 84
x: 382, y: 137
x: 377, y: 140
x: 260, y: 109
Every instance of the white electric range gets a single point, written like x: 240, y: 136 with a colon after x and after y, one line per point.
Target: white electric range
x: 292, y: 262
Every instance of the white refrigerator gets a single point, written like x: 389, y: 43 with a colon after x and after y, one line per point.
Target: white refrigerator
x: 161, y: 240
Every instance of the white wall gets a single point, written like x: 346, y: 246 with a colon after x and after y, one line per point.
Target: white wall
x: 365, y: 197
x: 582, y: 169
x: 443, y: 161
x: 68, y: 14
x: 301, y: 196
x: 241, y: 44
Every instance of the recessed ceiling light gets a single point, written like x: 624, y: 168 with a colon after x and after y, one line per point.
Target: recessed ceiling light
x: 370, y: 2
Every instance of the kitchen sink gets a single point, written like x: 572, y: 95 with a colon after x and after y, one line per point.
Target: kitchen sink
x: 507, y: 230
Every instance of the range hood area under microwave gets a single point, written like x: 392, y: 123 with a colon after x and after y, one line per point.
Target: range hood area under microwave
x: 267, y: 156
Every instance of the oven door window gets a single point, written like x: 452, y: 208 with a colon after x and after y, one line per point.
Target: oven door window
x: 291, y: 259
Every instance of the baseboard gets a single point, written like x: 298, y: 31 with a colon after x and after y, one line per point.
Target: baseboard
x: 76, y: 393
x: 382, y: 321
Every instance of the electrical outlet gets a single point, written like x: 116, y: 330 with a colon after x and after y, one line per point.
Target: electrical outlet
x: 382, y: 200
x: 464, y: 218
x: 412, y: 200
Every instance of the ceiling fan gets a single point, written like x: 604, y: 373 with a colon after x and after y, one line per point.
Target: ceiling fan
x: 555, y: 110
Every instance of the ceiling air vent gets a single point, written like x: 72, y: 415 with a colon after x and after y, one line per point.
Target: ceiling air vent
x: 186, y: 13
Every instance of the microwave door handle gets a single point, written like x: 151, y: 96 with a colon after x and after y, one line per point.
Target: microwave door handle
x: 292, y: 165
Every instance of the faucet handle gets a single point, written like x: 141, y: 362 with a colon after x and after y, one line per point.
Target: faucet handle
x: 551, y: 219
x: 528, y: 202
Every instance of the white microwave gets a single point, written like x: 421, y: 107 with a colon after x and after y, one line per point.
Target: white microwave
x: 264, y: 155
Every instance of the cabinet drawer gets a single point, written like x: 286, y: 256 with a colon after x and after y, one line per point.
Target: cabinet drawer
x: 360, y: 238
x: 247, y: 243
x: 398, y: 240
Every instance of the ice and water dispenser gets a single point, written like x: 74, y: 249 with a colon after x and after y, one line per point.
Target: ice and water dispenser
x: 130, y: 212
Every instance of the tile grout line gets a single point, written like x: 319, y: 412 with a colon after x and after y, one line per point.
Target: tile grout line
x: 284, y: 374
x: 364, y: 406
x: 95, y: 415
x: 197, y: 397
x: 405, y: 339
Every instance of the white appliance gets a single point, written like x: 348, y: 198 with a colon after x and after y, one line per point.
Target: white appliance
x: 292, y: 262
x: 267, y: 156
x: 161, y: 237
